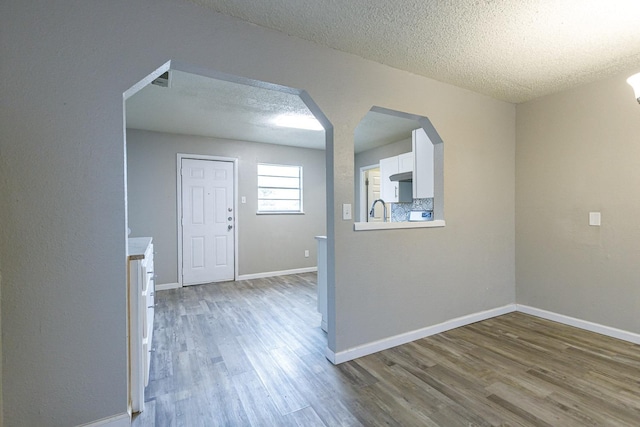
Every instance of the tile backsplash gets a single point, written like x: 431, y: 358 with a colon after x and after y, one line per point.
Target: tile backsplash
x: 400, y: 211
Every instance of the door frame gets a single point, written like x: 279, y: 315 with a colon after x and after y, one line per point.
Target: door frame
x: 364, y: 209
x: 233, y: 160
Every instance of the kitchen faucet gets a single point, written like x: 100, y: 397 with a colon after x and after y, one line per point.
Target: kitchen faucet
x: 384, y: 208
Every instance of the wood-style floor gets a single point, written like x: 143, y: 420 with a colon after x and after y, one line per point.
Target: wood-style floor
x: 250, y: 353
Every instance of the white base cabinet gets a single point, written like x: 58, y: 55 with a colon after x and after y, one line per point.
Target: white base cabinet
x: 141, y: 304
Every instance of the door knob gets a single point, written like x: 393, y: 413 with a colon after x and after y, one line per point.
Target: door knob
x: 230, y: 218
x: 229, y: 227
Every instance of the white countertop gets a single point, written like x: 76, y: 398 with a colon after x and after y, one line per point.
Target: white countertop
x: 138, y: 246
x: 364, y: 226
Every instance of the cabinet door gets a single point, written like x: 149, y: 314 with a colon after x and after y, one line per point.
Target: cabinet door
x: 136, y: 351
x: 405, y: 162
x: 388, y: 188
x: 149, y: 310
x: 423, y: 165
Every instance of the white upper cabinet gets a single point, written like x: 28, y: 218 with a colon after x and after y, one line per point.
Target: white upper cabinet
x: 388, y: 188
x: 405, y: 162
x: 419, y: 161
x: 423, y: 164
x: 394, y: 191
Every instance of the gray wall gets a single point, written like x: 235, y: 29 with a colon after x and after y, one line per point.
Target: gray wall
x: 578, y: 152
x: 65, y: 67
x: 371, y: 157
x: 151, y: 167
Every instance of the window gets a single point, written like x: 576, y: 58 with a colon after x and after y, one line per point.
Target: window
x: 279, y: 189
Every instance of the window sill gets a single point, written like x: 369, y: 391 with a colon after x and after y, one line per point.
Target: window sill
x: 367, y: 226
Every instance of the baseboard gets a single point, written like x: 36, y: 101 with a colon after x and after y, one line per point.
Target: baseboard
x: 167, y: 286
x: 277, y: 273
x: 386, y: 343
x: 579, y: 323
x: 122, y: 420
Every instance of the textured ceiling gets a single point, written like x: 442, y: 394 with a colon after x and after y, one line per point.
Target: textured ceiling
x: 197, y: 105
x: 514, y: 50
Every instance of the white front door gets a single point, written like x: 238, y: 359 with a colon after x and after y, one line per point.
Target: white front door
x: 207, y: 221
x: 373, y: 193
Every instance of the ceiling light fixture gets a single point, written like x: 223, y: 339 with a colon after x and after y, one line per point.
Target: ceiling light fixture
x: 298, y: 122
x: 634, y: 81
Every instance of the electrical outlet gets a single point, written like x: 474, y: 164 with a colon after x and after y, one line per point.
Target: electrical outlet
x: 306, y: 253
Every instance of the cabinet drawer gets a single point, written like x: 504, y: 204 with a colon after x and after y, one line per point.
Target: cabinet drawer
x: 148, y: 310
x: 147, y: 328
x: 146, y: 356
x: 147, y: 268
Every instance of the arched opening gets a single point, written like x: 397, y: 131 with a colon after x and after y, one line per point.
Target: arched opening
x: 180, y: 113
x: 398, y: 169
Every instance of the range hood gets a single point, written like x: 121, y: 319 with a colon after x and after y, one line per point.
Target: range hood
x: 402, y: 177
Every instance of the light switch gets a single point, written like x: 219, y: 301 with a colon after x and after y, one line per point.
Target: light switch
x: 594, y: 218
x: 346, y: 211
x: 243, y: 199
